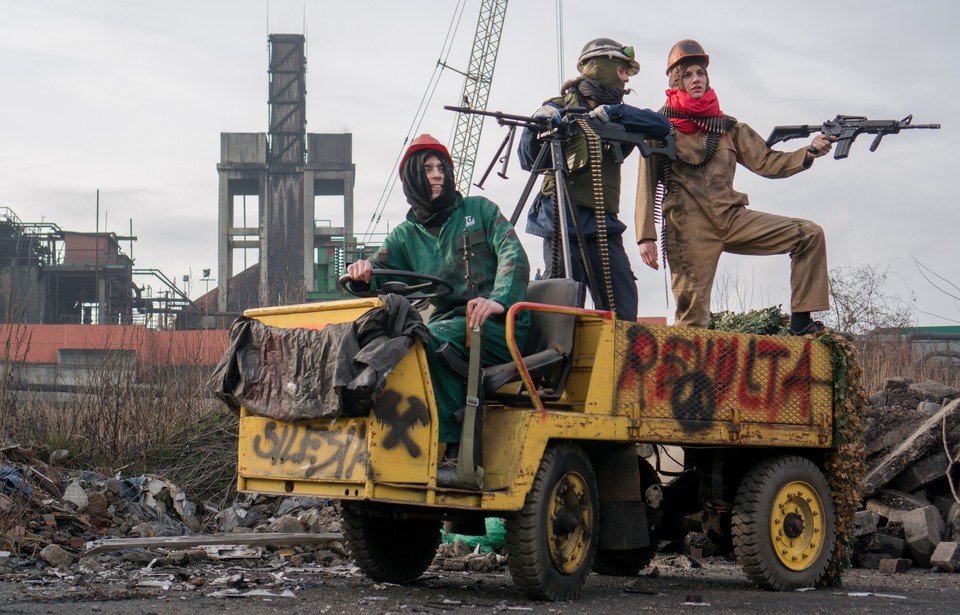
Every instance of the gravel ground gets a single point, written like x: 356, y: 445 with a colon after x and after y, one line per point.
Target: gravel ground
x: 670, y: 585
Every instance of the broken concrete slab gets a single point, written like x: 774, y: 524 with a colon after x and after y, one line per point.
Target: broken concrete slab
x: 947, y: 556
x: 928, y: 407
x: 179, y: 542
x: 892, y: 504
x: 75, y: 494
x: 865, y: 522
x: 871, y: 561
x: 933, y: 391
x: 56, y: 556
x: 921, y: 473
x: 953, y: 521
x: 893, y: 546
x: 287, y: 524
x: 918, y: 445
x: 895, y: 565
x: 881, y: 439
x: 869, y: 543
x: 923, y: 529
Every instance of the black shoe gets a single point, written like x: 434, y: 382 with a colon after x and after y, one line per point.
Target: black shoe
x: 814, y: 326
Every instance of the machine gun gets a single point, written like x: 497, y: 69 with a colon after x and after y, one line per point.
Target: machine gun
x: 611, y: 133
x: 846, y: 128
x: 556, y: 132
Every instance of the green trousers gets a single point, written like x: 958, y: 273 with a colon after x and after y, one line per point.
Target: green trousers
x: 448, y: 389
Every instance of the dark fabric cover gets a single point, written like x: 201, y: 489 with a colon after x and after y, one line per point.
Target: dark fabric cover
x: 292, y: 374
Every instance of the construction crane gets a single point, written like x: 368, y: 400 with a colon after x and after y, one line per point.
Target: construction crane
x: 476, y: 90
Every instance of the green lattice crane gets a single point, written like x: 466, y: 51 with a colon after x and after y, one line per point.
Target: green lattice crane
x: 476, y: 90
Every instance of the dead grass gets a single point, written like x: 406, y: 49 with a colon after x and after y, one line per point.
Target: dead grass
x: 119, y: 416
x: 882, y: 358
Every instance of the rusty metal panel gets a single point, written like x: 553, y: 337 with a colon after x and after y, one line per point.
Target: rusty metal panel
x: 696, y: 377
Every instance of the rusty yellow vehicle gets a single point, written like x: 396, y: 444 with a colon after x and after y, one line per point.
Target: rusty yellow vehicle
x: 562, y: 428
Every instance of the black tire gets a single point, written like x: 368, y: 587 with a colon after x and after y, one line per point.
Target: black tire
x: 784, y: 523
x: 552, y: 541
x: 629, y: 563
x: 387, y: 548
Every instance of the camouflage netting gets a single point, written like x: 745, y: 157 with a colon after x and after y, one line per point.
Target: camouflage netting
x: 768, y: 321
x: 844, y: 466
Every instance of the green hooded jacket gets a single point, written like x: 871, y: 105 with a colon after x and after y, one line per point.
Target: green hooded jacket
x: 499, y: 267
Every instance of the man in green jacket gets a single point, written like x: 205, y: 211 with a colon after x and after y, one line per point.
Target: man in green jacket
x: 431, y: 241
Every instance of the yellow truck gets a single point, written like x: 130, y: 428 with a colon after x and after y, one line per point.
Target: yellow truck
x: 563, y: 427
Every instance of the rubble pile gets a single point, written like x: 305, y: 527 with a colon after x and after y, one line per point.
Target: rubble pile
x: 85, y: 528
x: 911, y: 513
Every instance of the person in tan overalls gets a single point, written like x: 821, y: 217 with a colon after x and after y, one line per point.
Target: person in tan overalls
x: 703, y: 216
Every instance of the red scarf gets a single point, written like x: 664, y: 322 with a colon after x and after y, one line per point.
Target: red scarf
x: 706, y: 106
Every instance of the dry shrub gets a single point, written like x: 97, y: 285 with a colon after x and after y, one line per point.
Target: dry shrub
x: 885, y: 356
x: 115, y: 414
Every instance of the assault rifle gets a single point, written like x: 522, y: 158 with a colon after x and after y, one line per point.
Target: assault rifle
x: 846, y: 128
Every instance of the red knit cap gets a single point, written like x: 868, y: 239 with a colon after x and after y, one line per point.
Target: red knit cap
x: 425, y: 141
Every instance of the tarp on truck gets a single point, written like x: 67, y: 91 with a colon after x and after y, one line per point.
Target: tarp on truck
x: 294, y: 374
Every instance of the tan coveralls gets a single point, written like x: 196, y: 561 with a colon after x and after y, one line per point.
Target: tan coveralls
x: 705, y: 217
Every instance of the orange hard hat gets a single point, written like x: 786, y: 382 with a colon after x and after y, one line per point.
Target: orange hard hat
x: 687, y: 49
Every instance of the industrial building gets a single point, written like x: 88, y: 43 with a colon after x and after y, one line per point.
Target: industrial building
x: 276, y: 244
x: 285, y: 231
x: 49, y: 275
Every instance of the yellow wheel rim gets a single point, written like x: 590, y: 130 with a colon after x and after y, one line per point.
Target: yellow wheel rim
x: 569, y: 522
x: 797, y: 525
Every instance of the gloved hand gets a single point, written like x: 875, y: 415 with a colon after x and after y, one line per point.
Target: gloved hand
x: 600, y: 113
x: 549, y: 112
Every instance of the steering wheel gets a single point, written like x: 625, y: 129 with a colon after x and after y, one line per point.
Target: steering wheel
x: 430, y: 287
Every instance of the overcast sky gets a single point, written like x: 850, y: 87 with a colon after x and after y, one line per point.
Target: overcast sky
x: 130, y: 97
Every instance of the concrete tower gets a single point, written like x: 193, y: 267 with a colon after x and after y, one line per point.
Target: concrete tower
x: 267, y: 235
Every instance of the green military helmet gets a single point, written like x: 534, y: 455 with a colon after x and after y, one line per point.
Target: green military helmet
x: 608, y: 48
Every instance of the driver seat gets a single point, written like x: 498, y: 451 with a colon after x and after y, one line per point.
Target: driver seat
x: 546, y: 354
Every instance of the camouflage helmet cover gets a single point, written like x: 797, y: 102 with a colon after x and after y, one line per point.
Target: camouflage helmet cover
x: 608, y: 48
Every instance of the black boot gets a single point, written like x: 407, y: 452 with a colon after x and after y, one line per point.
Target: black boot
x: 802, y: 324
x: 447, y: 466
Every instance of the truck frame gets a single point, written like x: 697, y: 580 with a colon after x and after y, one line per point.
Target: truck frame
x: 752, y: 414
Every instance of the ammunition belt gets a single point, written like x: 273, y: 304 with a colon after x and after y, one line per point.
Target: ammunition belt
x: 595, y: 155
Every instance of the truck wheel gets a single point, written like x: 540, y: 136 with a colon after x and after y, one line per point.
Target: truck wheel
x: 386, y: 548
x: 552, y: 539
x: 628, y: 563
x: 784, y: 523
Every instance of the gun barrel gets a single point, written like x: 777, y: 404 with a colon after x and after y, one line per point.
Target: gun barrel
x: 500, y: 116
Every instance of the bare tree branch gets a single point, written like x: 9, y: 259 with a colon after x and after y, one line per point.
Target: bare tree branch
x: 921, y: 267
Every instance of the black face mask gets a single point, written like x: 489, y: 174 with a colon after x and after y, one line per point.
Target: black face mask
x: 429, y: 212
